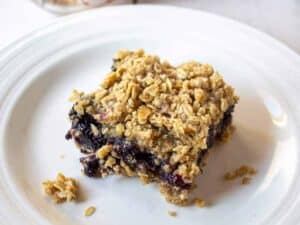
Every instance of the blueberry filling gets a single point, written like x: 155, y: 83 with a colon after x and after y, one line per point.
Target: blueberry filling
x: 87, y: 141
x: 114, y: 65
x: 128, y: 151
x: 90, y: 165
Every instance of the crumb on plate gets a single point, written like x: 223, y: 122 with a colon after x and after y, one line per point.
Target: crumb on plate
x: 61, y: 189
x: 240, y: 172
x: 199, y: 202
x: 89, y: 211
x: 172, y: 213
x: 246, y: 180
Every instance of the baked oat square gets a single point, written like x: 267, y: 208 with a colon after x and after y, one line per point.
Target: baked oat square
x: 152, y: 120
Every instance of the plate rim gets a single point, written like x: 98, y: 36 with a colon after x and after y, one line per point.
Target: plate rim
x: 81, y: 15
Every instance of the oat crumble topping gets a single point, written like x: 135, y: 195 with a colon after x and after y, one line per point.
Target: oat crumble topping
x: 199, y: 202
x: 246, y: 180
x: 61, y: 189
x: 172, y: 213
x: 89, y: 211
x: 241, y: 172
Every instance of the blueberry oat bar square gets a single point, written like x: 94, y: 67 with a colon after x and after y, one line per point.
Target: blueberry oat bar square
x: 152, y: 120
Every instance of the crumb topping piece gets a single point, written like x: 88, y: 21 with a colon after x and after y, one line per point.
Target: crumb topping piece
x: 61, y: 189
x: 246, y: 180
x: 172, y: 213
x: 104, y: 151
x: 199, y: 202
x: 241, y: 172
x: 89, y: 211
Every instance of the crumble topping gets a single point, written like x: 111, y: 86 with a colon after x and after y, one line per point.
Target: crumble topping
x: 242, y: 172
x: 165, y: 109
x: 246, y: 180
x: 89, y: 211
x: 174, y: 195
x: 104, y: 151
x: 61, y: 189
x: 172, y: 213
x: 199, y: 202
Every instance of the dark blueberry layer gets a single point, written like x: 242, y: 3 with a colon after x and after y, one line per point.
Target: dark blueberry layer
x: 114, y: 65
x: 128, y: 151
x: 90, y: 165
x: 85, y: 138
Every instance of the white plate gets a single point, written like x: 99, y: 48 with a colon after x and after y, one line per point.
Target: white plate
x: 38, y: 72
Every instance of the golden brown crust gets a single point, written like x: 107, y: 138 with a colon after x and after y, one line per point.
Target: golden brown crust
x: 174, y: 195
x: 200, y: 203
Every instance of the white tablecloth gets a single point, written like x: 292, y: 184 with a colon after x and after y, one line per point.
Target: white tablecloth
x: 279, y: 18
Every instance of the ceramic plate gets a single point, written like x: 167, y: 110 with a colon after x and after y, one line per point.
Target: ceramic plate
x: 38, y: 73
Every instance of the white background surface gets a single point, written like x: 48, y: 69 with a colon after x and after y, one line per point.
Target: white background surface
x: 279, y: 18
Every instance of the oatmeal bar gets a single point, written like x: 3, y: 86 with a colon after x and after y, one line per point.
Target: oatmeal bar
x: 152, y: 120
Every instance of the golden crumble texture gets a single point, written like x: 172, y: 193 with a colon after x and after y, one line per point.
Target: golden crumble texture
x: 89, y: 211
x: 199, y: 202
x: 172, y: 213
x: 174, y: 195
x: 104, y: 151
x: 61, y: 189
x: 246, y: 180
x: 241, y: 172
